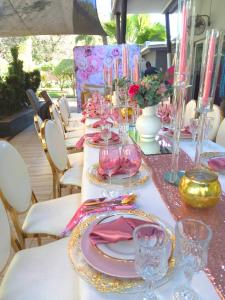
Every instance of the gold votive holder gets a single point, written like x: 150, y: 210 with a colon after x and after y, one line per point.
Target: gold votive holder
x: 200, y: 188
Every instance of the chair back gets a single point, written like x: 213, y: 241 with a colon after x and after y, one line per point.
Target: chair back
x: 56, y: 117
x: 64, y: 112
x: 37, y: 124
x: 215, y: 114
x: 190, y: 111
x: 5, y: 244
x: 54, y: 145
x: 220, y: 137
x: 34, y: 101
x: 15, y: 183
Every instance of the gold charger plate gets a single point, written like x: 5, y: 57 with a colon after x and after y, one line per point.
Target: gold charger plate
x: 102, y: 144
x: 134, y: 181
x: 206, y: 156
x: 103, y: 282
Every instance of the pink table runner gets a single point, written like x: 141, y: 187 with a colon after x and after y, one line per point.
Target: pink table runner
x: 215, y: 217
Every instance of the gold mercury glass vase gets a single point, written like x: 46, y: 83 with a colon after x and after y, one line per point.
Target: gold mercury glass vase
x: 200, y: 188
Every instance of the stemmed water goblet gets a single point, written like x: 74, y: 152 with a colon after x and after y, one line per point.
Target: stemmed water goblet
x: 151, y: 255
x: 191, y: 253
x: 194, y: 123
x: 208, y: 126
x: 109, y: 162
x: 130, y: 161
x: 106, y: 132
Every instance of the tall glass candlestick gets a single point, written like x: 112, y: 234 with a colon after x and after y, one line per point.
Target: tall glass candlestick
x: 183, y: 63
x: 209, y: 75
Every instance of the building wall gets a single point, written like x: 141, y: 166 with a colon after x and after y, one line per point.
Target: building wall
x: 213, y: 8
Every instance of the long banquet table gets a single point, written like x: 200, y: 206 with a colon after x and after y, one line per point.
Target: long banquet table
x: 150, y: 201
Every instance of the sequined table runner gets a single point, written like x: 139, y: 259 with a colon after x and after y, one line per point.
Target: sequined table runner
x: 215, y: 217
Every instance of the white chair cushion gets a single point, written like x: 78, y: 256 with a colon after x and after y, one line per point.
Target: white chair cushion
x: 5, y: 244
x: 70, y: 143
x: 51, y: 217
x: 220, y: 138
x: 76, y: 159
x: 72, y: 176
x: 76, y: 133
x: 41, y: 273
x: 74, y: 127
x: 76, y: 116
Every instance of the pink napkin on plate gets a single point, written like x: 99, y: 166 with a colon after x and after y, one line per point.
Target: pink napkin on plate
x: 79, y: 144
x: 100, y: 205
x: 98, y: 138
x: 120, y: 229
x: 100, y: 123
x: 217, y: 163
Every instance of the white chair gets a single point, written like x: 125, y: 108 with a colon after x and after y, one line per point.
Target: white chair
x: 65, y: 112
x: 76, y: 116
x: 64, y: 174
x: 69, y: 124
x: 215, y: 114
x: 37, y: 124
x: 48, y: 217
x: 40, y: 273
x: 190, y: 111
x: 57, y: 117
x: 220, y: 137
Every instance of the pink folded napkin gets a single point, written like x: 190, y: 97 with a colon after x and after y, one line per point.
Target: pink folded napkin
x: 120, y: 229
x: 99, y: 205
x: 96, y: 138
x: 120, y: 171
x: 184, y: 131
x: 217, y: 164
x: 101, y: 123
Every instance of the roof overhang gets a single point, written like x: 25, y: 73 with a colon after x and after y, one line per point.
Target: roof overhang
x: 46, y: 17
x: 142, y: 6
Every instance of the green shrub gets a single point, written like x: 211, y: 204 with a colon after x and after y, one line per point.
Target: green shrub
x: 13, y: 96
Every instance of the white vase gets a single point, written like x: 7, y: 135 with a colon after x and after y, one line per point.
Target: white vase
x: 148, y: 125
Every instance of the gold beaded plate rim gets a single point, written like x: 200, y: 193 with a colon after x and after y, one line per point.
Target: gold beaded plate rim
x: 89, y: 142
x: 205, y: 156
x: 105, y: 283
x: 139, y: 179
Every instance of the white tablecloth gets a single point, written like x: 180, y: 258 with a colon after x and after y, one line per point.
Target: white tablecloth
x: 150, y: 201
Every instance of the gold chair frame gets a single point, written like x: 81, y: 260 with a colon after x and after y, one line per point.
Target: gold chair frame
x: 19, y: 243
x: 57, y: 185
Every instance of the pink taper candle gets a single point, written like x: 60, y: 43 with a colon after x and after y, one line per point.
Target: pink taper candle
x: 136, y: 69
x: 125, y: 61
x: 209, y: 70
x: 116, y: 68
x: 110, y: 76
x: 183, y: 42
x: 105, y: 73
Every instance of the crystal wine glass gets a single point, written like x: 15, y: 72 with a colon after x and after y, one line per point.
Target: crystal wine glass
x: 109, y: 162
x: 208, y: 126
x: 106, y: 132
x: 194, y: 128
x: 151, y: 255
x: 192, y: 242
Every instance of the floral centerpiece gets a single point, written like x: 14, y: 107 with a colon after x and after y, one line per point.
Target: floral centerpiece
x: 150, y: 91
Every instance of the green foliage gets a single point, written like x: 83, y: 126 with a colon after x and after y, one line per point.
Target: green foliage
x: 64, y: 72
x: 138, y: 30
x: 32, y: 80
x: 150, y: 91
x: 12, y: 90
x: 86, y: 39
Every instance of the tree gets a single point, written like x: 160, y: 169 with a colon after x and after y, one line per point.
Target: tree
x: 7, y: 43
x: 13, y: 89
x: 139, y: 30
x: 85, y: 39
x: 64, y: 71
